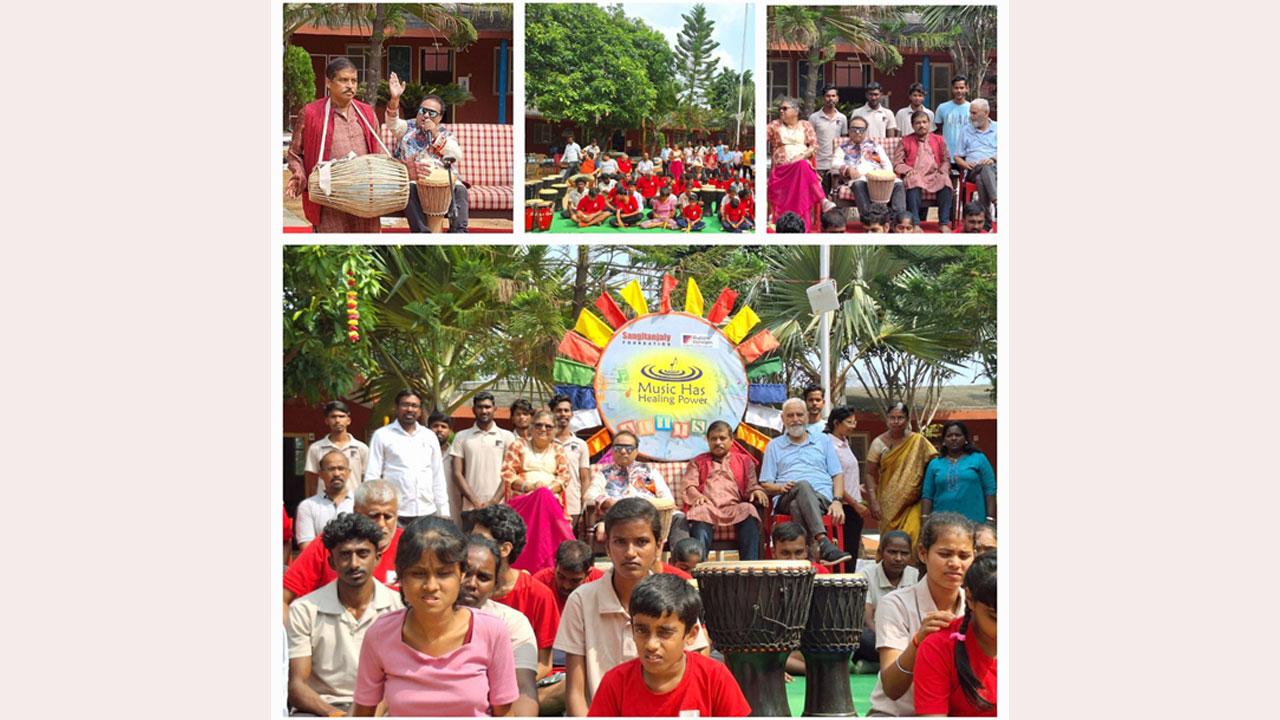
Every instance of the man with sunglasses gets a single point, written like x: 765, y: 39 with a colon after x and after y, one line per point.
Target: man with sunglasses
x: 861, y: 156
x: 427, y: 144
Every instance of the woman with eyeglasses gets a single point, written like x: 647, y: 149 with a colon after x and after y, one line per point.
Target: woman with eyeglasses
x: 794, y: 185
x: 624, y: 477
x: 535, y: 474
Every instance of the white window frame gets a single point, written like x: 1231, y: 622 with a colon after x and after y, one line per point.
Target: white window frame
x: 786, y: 64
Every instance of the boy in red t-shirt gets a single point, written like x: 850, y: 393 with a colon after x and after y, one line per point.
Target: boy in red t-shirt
x: 591, y: 209
x: 667, y: 680
x: 733, y: 215
x: 626, y: 211
x: 690, y: 216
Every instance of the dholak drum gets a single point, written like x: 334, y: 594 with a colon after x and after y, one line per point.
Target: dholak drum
x: 880, y: 185
x: 666, y: 508
x: 366, y: 186
x: 829, y: 639
x: 754, y: 611
x: 435, y: 192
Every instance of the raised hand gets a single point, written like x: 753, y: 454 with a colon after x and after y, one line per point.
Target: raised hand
x: 395, y: 87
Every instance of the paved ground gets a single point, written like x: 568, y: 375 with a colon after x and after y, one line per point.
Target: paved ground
x: 293, y: 216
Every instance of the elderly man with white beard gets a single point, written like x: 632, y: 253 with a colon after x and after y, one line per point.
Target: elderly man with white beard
x: 802, y: 472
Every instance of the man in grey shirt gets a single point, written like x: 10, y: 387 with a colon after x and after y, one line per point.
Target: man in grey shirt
x: 829, y: 124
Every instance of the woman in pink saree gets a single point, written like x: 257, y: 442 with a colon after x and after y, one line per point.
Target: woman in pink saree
x: 794, y: 185
x: 535, y: 475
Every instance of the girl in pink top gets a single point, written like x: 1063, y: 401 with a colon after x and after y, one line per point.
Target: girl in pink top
x: 435, y: 657
x: 664, y: 211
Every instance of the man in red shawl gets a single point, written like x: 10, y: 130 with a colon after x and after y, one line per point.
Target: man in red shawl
x: 352, y: 125
x: 720, y: 488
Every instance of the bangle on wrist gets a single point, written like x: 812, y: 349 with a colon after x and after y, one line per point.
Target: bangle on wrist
x: 898, y: 661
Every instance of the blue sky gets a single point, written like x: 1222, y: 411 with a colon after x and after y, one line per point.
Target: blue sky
x: 729, y: 18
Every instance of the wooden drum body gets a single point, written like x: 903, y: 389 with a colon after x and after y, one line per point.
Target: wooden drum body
x: 829, y: 639
x: 755, y: 611
x: 435, y: 192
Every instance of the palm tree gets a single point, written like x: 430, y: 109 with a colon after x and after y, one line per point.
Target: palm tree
x: 968, y: 32
x: 893, y: 354
x: 815, y: 31
x: 383, y: 20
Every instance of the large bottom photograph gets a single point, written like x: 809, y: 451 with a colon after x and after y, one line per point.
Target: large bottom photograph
x: 659, y: 480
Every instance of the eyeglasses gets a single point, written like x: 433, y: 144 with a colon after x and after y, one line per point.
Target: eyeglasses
x: 624, y: 448
x: 785, y: 108
x: 429, y: 112
x: 858, y: 130
x: 543, y: 426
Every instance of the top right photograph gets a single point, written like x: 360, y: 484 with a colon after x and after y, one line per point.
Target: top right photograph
x: 882, y: 119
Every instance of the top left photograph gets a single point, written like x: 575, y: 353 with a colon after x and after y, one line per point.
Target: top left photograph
x: 397, y: 118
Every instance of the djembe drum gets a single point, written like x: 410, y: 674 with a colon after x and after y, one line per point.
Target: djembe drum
x: 435, y: 192
x: 530, y: 189
x: 666, y: 508
x: 880, y: 185
x: 829, y: 639
x: 542, y: 215
x: 754, y: 611
x: 548, y: 195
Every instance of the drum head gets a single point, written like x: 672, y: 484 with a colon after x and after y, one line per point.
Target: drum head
x: 754, y: 567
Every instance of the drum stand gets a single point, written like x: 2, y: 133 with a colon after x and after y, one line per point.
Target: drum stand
x: 761, y: 675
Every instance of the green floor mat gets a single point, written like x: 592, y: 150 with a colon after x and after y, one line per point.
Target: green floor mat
x: 564, y: 225
x: 860, y: 685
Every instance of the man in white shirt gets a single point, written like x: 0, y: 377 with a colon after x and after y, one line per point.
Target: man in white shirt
x: 915, y: 94
x: 880, y: 120
x: 575, y: 449
x: 476, y: 455
x: 571, y: 157
x: 608, y: 166
x: 407, y: 455
x: 334, y: 497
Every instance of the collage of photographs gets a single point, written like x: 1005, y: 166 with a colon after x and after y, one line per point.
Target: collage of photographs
x: 593, y: 463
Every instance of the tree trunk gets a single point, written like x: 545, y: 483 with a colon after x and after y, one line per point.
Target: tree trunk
x: 373, y: 60
x: 580, y: 280
x: 811, y: 83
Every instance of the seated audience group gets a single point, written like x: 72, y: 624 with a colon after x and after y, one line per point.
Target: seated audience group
x: 672, y: 188
x: 843, y: 153
x: 496, y: 608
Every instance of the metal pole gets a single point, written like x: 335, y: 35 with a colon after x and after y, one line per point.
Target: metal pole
x: 824, y: 328
x: 742, y: 59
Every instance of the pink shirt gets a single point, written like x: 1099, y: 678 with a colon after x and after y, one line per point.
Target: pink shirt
x: 465, y: 682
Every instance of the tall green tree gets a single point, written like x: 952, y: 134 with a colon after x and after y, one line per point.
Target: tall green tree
x: 815, y: 30
x: 695, y: 64
x: 724, y: 101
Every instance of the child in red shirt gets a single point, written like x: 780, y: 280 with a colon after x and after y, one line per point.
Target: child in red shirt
x: 667, y: 680
x: 691, y: 217
x: 626, y: 211
x: 733, y: 216
x: 624, y: 165
x: 591, y: 209
x: 955, y: 669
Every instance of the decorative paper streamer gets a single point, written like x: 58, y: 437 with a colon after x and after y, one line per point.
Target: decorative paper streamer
x: 635, y: 298
x: 759, y: 344
x: 761, y: 393
x: 741, y: 324
x: 572, y: 373
x: 668, y: 284
x: 693, y: 299
x: 593, y: 328
x: 763, y: 416
x: 599, y: 441
x: 583, y: 398
x: 752, y: 437
x: 764, y: 368
x: 610, y: 310
x: 583, y: 419
x: 724, y: 303
x: 576, y: 347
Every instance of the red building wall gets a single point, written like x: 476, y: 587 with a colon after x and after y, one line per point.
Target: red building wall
x: 478, y: 61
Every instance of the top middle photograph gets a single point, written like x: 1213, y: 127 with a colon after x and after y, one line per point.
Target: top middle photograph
x: 639, y: 118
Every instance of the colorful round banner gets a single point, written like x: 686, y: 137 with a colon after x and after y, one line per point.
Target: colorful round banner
x: 666, y: 377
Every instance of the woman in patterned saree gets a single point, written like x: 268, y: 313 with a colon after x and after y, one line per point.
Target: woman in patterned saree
x: 794, y: 185
x: 535, y: 475
x: 895, y: 471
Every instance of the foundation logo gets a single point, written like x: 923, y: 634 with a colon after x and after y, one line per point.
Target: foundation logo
x: 671, y: 373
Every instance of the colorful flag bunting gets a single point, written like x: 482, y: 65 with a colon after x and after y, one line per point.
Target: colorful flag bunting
x: 761, y: 343
x: 635, y: 298
x: 723, y: 305
x: 576, y: 347
x: 572, y: 373
x: 693, y: 299
x: 593, y: 328
x: 610, y: 310
x: 668, y: 284
x: 764, y: 368
x: 741, y: 324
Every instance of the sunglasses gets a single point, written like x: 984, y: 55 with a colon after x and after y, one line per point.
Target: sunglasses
x: 624, y: 448
x: 428, y: 112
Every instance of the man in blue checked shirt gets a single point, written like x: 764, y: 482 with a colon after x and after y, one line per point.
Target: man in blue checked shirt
x: 802, y: 472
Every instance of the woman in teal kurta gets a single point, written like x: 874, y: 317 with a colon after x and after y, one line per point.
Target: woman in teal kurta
x: 960, y: 480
